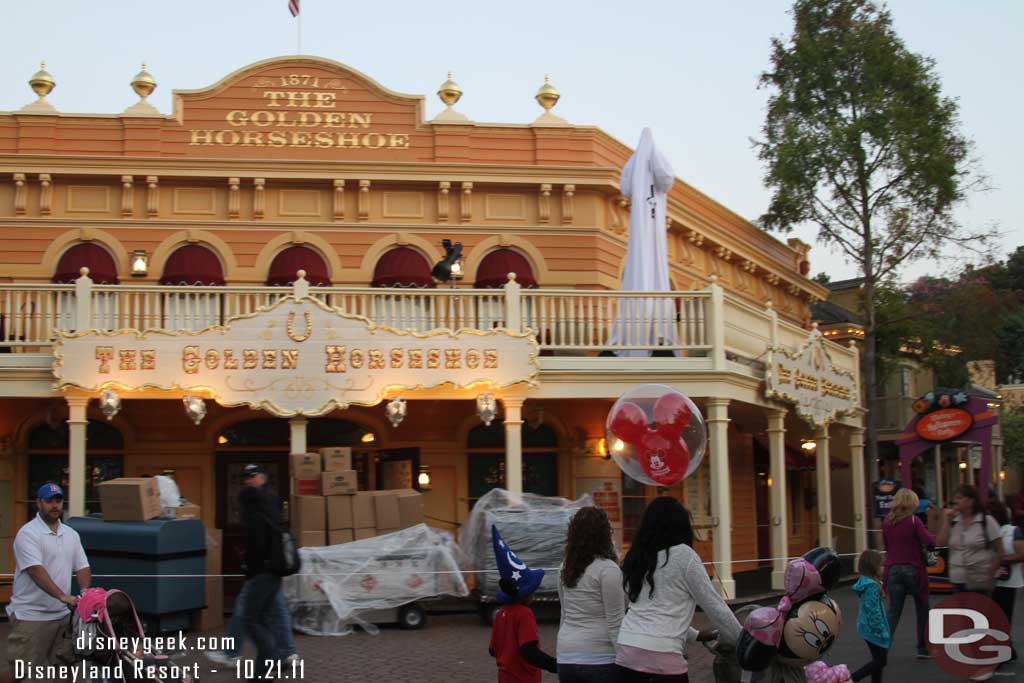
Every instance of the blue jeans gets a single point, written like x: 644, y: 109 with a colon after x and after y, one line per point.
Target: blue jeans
x: 902, y: 583
x: 280, y: 625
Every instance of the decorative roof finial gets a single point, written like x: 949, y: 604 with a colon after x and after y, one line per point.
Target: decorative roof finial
x: 450, y: 93
x: 143, y: 84
x: 547, y: 97
x: 42, y: 84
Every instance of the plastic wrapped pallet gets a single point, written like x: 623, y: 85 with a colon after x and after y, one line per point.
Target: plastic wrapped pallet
x: 339, y: 583
x: 533, y: 526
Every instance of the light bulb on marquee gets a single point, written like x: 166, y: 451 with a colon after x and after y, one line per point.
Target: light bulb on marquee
x: 395, y: 411
x: 110, y: 403
x: 487, y: 408
x: 195, y: 407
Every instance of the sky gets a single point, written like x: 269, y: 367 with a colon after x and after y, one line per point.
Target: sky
x: 687, y: 69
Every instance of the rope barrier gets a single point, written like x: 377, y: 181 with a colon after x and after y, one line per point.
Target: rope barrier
x: 444, y: 571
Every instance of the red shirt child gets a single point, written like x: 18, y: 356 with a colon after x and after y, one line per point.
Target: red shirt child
x: 514, y: 637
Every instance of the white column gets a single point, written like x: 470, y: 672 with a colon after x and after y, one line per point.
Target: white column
x: 297, y: 427
x: 937, y: 457
x: 824, y: 480
x: 77, y: 423
x: 716, y: 324
x: 513, y: 444
x: 860, y: 506
x: 721, y: 495
x: 779, y: 528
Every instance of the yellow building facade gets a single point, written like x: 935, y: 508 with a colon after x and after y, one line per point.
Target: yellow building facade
x: 193, y: 219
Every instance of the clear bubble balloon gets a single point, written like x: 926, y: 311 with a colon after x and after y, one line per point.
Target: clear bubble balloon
x: 656, y: 435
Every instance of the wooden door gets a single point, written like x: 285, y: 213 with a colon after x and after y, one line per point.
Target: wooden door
x: 229, y: 484
x: 440, y: 503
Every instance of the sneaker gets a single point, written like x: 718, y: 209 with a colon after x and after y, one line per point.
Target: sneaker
x: 222, y: 657
x: 292, y: 658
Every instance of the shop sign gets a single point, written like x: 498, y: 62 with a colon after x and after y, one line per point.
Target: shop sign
x: 943, y: 425
x: 884, y: 490
x: 297, y: 357
x: 808, y: 379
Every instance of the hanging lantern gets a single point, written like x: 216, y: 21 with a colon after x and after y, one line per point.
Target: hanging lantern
x: 195, y: 407
x: 487, y: 408
x: 110, y: 403
x: 395, y: 410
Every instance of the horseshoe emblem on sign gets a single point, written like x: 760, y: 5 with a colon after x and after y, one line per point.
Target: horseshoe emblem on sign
x: 291, y: 327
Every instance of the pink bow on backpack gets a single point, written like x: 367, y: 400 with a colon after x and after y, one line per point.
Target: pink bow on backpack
x: 820, y: 672
x: 92, y: 605
x: 800, y: 582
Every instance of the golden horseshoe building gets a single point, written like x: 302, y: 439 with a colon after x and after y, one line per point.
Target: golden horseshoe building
x: 297, y: 207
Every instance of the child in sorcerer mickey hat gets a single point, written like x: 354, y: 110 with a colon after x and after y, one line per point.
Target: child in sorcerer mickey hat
x: 514, y: 639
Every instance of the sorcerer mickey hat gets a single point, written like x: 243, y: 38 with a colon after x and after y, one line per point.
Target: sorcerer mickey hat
x: 510, y: 567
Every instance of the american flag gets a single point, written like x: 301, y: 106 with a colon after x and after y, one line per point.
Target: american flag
x: 293, y: 7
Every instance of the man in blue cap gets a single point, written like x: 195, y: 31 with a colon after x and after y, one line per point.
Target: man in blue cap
x: 46, y: 553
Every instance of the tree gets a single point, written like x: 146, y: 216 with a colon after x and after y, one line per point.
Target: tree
x: 859, y: 141
x: 1012, y: 424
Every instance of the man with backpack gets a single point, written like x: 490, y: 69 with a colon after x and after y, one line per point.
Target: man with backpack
x: 261, y: 516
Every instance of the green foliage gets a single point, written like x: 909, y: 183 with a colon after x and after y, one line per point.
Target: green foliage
x: 1012, y: 422
x: 859, y: 140
x: 1011, y: 346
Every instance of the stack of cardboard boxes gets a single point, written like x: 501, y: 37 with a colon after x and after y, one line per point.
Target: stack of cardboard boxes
x: 327, y: 508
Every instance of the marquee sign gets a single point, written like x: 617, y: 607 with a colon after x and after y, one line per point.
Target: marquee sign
x: 807, y: 379
x: 297, y: 357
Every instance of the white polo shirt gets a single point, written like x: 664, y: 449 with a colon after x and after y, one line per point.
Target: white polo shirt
x: 60, y: 553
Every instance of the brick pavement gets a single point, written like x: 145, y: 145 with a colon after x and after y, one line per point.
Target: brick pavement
x: 452, y: 648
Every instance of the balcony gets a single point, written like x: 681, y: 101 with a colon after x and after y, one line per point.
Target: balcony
x: 703, y: 330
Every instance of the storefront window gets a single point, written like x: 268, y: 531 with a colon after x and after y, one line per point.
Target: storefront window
x: 486, y: 454
x: 48, y: 461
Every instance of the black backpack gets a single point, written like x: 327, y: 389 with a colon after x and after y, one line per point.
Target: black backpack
x: 282, y: 552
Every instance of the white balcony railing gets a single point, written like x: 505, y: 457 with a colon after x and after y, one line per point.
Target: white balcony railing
x: 706, y: 323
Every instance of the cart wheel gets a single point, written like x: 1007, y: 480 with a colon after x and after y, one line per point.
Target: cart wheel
x: 488, y: 613
x: 412, y: 617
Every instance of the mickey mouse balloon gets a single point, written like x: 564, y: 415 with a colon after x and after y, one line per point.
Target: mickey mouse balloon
x: 656, y: 435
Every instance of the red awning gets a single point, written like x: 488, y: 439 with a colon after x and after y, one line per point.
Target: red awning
x: 495, y: 267
x: 98, y: 260
x: 293, y: 259
x: 193, y: 265
x: 402, y: 267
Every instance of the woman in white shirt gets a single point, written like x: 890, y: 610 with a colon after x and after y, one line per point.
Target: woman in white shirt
x: 1012, y: 539
x: 590, y: 591
x: 665, y: 580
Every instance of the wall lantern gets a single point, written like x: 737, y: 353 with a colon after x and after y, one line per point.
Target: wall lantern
x: 110, y: 403
x: 368, y: 437
x: 487, y: 408
x: 963, y: 466
x: 140, y: 263
x: 808, y: 445
x: 395, y: 410
x: 450, y: 267
x: 195, y: 407
x: 423, y: 479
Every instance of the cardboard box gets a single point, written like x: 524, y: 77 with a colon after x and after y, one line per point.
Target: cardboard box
x: 187, y: 511
x: 363, y: 516
x: 305, y: 465
x: 308, y: 513
x: 339, y: 483
x: 307, y: 487
x: 310, y: 539
x: 361, y: 534
x: 410, y: 509
x: 336, y: 458
x: 336, y: 536
x: 213, y: 616
x: 339, y: 512
x: 385, y: 509
x: 129, y: 499
x: 382, y: 532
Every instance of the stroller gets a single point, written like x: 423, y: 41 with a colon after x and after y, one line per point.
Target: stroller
x: 108, y: 614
